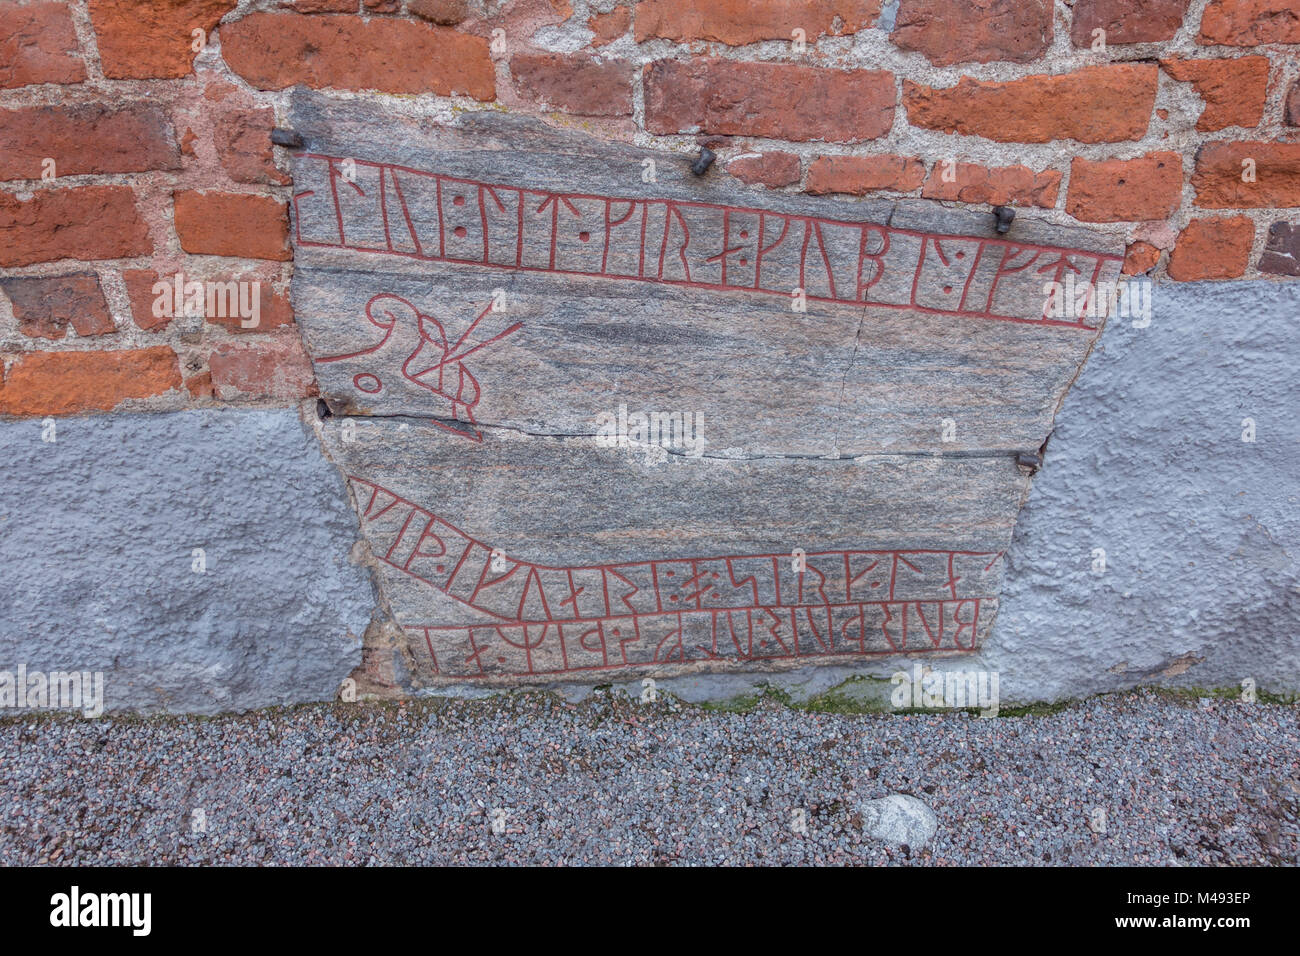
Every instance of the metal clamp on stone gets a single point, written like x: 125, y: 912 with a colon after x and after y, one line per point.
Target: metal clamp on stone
x: 286, y: 138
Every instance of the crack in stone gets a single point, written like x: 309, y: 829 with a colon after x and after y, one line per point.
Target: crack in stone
x: 423, y: 420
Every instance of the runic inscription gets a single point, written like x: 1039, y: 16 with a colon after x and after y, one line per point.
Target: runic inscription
x: 750, y: 607
x: 390, y: 210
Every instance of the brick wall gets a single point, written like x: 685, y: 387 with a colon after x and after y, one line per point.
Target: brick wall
x: 135, y: 140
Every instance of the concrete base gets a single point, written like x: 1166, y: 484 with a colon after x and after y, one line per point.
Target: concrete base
x: 98, y: 556
x: 1201, y: 585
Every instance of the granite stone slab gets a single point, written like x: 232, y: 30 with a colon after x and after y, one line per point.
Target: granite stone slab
x: 498, y: 272
x: 522, y: 558
x: 558, y: 367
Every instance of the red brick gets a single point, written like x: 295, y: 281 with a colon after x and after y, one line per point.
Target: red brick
x: 46, y: 306
x: 86, y: 222
x: 1140, y: 258
x: 1127, y: 21
x: 382, y: 6
x: 769, y: 169
x: 1218, y: 181
x: 1098, y: 104
x: 608, y: 27
x: 1125, y: 190
x: 739, y: 22
x: 575, y: 83
x: 153, y: 40
x: 1217, y: 248
x: 64, y: 383
x: 243, y: 141
x: 139, y: 289
x: 85, y: 139
x: 1281, y: 255
x: 995, y: 186
x: 1250, y: 22
x: 776, y: 100
x: 1234, y: 90
x: 38, y: 45
x: 1291, y: 111
x: 230, y: 224
x: 858, y: 175
x: 266, y: 369
x: 273, y: 51
x: 274, y: 308
x: 200, y: 385
x: 323, y: 6
x: 447, y: 13
x: 980, y: 31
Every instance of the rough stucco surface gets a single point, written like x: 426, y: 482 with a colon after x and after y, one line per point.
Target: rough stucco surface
x: 98, y: 530
x: 1201, y: 530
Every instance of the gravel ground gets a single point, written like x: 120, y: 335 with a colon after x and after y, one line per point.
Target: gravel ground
x: 613, y: 781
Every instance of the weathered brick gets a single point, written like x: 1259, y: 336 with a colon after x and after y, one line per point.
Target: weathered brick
x: 140, y: 290
x: 64, y: 383
x: 86, y: 222
x: 1140, y: 258
x: 382, y: 6
x: 1291, y: 110
x: 231, y: 224
x: 1212, y: 248
x: 277, y: 50
x: 997, y: 186
x: 575, y: 83
x: 243, y: 141
x: 520, y: 19
x: 1220, y: 167
x: 38, y: 45
x: 45, y: 306
x: 277, y: 368
x: 143, y: 289
x: 608, y: 27
x: 1250, y: 22
x: 739, y: 22
x: 446, y: 13
x: 274, y: 310
x: 768, y: 169
x: 1125, y: 190
x: 777, y: 100
x: 1099, y: 104
x: 95, y: 138
x: 962, y: 31
x: 142, y: 41
x: 859, y: 175
x: 322, y: 6
x: 1234, y: 90
x: 1127, y: 21
x: 200, y: 385
x: 1281, y: 255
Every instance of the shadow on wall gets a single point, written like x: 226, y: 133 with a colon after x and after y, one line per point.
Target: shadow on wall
x: 1159, y: 542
